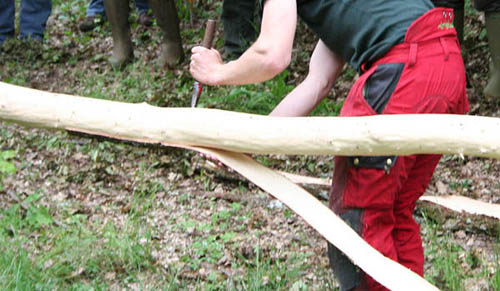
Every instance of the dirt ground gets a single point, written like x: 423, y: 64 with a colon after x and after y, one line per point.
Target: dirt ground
x: 102, y: 179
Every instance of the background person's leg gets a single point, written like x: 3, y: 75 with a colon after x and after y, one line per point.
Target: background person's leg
x: 96, y: 8
x: 95, y: 15
x: 492, y: 89
x: 33, y: 17
x: 171, y: 52
x: 117, y: 12
x: 239, y: 26
x: 144, y: 16
x: 142, y: 6
x: 7, y: 17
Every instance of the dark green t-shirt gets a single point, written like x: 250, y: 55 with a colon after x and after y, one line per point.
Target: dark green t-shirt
x: 361, y: 31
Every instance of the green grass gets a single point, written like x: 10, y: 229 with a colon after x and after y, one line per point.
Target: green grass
x: 47, y: 246
x: 452, y: 265
x: 6, y: 167
x: 73, y: 245
x: 37, y: 253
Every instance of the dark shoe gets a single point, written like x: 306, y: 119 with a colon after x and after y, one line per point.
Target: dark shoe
x: 89, y: 23
x: 145, y: 19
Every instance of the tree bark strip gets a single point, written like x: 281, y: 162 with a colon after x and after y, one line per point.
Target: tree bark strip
x: 455, y: 203
x: 464, y: 204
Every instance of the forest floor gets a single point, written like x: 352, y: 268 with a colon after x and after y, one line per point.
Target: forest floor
x: 86, y: 213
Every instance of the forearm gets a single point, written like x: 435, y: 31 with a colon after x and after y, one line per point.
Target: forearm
x: 256, y: 65
x: 267, y: 57
x: 302, y: 100
x: 324, y: 68
x: 271, y: 52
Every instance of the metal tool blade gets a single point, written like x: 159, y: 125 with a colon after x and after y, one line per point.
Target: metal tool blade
x: 197, y: 88
x: 207, y: 42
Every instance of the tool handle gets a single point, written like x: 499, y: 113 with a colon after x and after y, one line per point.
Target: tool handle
x: 207, y: 43
x: 209, y: 34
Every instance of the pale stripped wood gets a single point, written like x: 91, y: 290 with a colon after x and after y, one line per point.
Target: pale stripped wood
x: 464, y: 204
x: 239, y: 132
x: 452, y: 202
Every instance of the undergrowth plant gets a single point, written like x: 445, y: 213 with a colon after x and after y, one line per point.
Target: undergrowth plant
x: 74, y: 252
x: 6, y: 166
x: 120, y: 241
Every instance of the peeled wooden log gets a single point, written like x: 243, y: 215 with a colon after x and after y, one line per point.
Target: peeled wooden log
x: 239, y: 132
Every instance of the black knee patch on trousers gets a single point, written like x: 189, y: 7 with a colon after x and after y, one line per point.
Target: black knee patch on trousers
x: 347, y: 274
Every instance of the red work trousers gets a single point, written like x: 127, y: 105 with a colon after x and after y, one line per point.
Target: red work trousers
x: 377, y: 195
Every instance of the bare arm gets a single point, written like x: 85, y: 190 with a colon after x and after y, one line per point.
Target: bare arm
x: 267, y: 57
x: 324, y: 68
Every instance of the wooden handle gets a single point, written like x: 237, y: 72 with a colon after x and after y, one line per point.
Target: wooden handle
x: 209, y: 33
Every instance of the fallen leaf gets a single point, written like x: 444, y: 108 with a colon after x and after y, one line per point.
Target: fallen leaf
x: 442, y: 188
